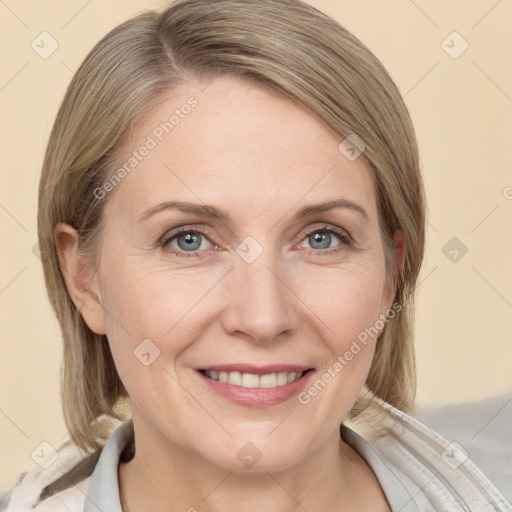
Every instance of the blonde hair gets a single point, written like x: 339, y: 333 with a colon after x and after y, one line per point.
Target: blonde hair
x: 286, y: 46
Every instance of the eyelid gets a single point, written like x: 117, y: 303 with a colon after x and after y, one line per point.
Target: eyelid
x: 172, y: 233
x: 343, y: 234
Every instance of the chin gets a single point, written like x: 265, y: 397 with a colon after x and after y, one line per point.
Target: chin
x: 257, y: 456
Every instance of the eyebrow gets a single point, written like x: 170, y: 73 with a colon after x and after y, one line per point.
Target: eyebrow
x: 208, y: 211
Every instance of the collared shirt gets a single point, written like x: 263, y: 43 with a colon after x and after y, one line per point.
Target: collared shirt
x: 103, y: 490
x: 418, y: 470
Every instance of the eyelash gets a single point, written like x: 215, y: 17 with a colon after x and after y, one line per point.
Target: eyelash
x: 346, y: 240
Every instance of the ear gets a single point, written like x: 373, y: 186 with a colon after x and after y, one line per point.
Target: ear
x: 399, y: 254
x: 77, y: 272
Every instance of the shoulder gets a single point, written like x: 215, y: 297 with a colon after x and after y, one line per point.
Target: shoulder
x: 437, y: 473
x: 26, y: 492
x: 482, y: 428
x: 58, y: 483
x: 24, y: 496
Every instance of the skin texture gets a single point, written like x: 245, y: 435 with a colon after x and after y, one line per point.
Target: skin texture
x: 261, y: 158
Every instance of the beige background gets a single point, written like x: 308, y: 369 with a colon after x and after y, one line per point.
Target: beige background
x: 462, y: 110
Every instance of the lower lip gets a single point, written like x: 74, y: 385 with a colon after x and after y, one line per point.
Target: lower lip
x: 258, y: 397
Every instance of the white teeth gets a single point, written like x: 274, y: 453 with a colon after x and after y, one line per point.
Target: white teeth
x: 250, y: 380
x: 235, y: 378
x: 282, y: 378
x: 268, y: 381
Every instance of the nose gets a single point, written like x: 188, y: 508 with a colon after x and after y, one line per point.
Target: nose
x: 262, y: 305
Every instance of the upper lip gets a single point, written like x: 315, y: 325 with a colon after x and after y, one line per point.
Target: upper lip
x: 257, y: 370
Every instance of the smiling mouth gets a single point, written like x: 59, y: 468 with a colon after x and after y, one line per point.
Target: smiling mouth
x: 251, y: 380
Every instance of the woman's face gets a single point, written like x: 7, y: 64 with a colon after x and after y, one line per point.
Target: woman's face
x: 249, y: 283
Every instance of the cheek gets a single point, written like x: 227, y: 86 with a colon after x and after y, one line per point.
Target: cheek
x: 346, y: 308
x: 347, y: 300
x: 153, y: 303
x: 347, y: 305
x: 148, y: 328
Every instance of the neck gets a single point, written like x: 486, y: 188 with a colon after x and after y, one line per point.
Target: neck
x: 164, y: 476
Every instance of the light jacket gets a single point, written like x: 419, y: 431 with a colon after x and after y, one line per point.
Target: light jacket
x: 438, y: 475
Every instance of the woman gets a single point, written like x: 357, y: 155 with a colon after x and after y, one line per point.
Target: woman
x: 232, y: 221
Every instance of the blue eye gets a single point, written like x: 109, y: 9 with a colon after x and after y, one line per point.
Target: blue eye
x: 190, y: 242
x: 323, y: 237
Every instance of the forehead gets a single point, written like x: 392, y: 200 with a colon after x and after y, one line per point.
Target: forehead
x: 237, y: 145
